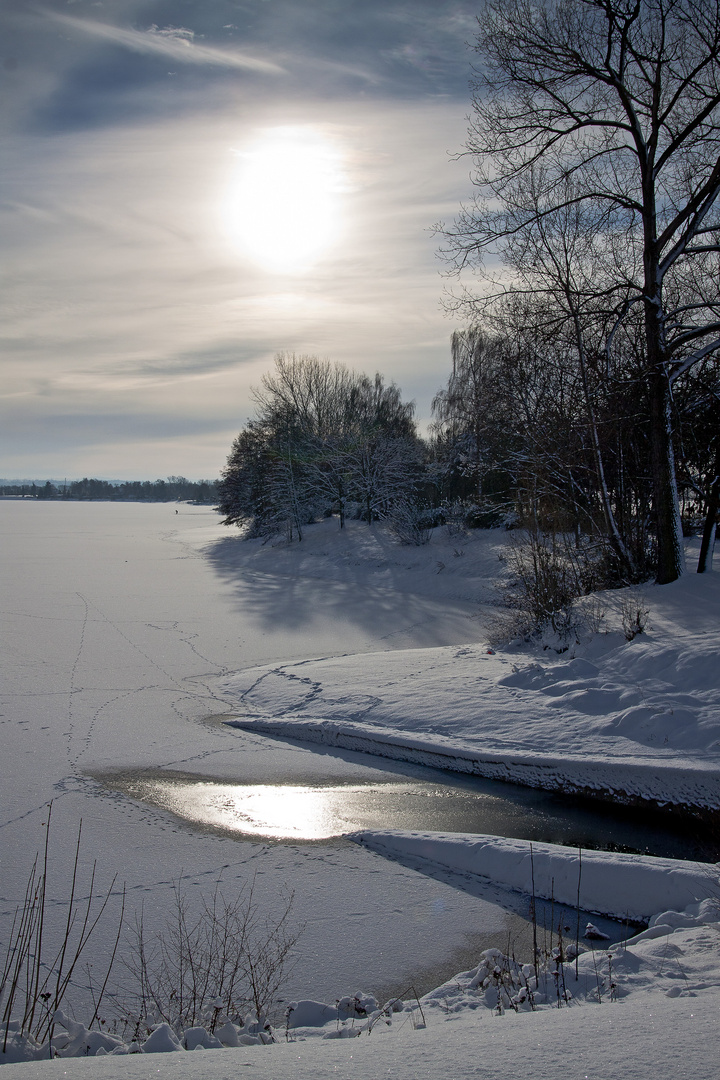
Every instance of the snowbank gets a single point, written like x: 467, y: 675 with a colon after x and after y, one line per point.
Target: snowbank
x: 694, y: 784
x: 645, y: 1038
x: 632, y: 1014
x: 609, y: 883
x: 635, y: 721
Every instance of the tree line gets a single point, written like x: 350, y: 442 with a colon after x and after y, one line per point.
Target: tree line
x: 526, y: 434
x: 175, y: 488
x: 520, y: 437
x: 323, y: 440
x: 595, y: 231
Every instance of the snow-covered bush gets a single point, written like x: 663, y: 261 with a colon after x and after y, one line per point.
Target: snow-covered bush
x: 209, y: 977
x: 548, y: 573
x: 411, y: 523
x: 634, y: 614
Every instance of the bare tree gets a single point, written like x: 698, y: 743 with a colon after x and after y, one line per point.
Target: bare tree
x: 555, y: 266
x: 463, y: 410
x: 383, y: 473
x: 612, y: 107
x: 308, y: 391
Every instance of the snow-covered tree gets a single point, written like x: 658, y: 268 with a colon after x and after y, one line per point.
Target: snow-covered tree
x: 322, y: 437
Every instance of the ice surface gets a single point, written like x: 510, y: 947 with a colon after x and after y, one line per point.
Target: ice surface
x: 119, y: 621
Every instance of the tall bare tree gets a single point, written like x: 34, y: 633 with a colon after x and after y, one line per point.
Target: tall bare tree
x: 610, y: 107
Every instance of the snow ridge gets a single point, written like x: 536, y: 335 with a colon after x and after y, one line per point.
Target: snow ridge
x: 619, y: 885
x: 692, y: 785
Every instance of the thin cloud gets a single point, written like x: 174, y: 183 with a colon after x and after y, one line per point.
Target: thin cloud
x: 201, y: 361
x: 173, y: 44
x: 334, y: 67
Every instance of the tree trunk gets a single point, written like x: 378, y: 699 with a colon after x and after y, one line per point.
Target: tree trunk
x: 708, y: 539
x: 613, y: 532
x: 670, y: 551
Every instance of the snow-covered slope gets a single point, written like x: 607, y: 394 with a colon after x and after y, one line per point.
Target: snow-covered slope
x: 635, y: 719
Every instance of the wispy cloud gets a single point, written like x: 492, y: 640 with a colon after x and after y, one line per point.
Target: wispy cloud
x: 321, y: 65
x: 175, y: 44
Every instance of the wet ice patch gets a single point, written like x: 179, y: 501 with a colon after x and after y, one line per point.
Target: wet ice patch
x: 280, y: 812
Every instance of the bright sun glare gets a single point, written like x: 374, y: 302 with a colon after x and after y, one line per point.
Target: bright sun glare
x: 282, y: 207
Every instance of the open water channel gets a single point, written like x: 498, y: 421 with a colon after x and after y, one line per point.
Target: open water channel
x: 416, y: 798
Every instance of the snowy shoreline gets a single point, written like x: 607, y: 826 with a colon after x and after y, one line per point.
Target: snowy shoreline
x: 673, y: 958
x: 614, y: 884
x: 198, y: 623
x: 693, y: 787
x: 633, y: 721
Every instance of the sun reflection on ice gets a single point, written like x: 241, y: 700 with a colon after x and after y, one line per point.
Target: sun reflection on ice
x: 281, y: 812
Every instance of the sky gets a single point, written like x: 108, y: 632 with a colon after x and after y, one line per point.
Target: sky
x: 189, y: 187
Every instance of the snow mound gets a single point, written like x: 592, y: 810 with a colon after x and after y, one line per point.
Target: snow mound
x: 609, y: 883
x: 639, y: 719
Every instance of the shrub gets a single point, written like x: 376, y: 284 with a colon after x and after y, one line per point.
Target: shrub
x: 35, y: 977
x: 208, y: 967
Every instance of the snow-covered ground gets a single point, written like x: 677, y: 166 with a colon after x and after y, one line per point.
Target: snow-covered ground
x: 637, y: 718
x: 641, y: 1009
x: 126, y: 626
x: 648, y: 1038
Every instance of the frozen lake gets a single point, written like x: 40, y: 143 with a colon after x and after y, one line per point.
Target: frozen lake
x: 411, y: 797
x: 116, y: 627
x: 119, y: 621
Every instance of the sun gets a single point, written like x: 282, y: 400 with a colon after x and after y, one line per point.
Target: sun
x: 282, y: 208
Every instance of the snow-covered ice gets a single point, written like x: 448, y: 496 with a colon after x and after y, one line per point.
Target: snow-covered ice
x: 611, y: 883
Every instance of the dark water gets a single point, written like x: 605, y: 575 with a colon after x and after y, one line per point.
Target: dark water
x: 414, y: 798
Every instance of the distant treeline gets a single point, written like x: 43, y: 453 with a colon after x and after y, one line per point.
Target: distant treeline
x: 175, y: 488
